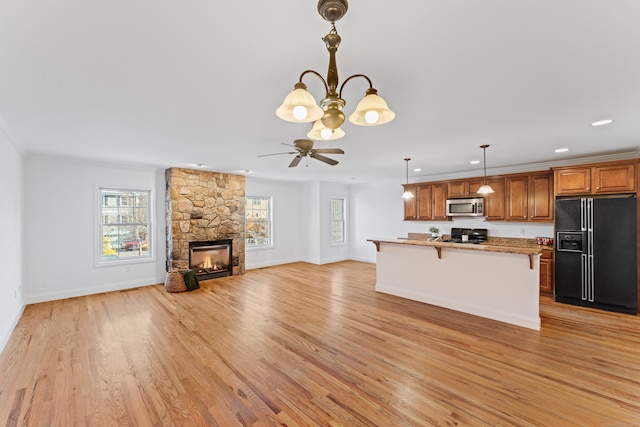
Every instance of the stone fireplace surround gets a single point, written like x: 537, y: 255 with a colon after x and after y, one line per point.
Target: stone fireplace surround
x: 203, y: 206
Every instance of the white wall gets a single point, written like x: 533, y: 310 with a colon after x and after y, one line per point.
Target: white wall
x: 331, y: 252
x: 377, y: 211
x: 289, y: 215
x: 11, y: 243
x: 302, y: 223
x: 60, y: 217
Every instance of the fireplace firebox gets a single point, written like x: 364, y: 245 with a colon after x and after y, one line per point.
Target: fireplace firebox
x: 211, y: 259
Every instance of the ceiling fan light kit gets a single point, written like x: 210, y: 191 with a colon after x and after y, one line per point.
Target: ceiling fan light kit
x: 300, y: 107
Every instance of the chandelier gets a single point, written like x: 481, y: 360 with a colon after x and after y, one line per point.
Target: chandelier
x: 300, y: 106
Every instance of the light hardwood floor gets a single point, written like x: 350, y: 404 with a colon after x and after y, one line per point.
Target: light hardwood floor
x: 306, y: 345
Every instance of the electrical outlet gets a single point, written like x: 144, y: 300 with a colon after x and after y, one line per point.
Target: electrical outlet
x: 522, y: 231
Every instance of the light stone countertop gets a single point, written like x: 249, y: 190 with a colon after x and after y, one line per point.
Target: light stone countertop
x: 489, y: 247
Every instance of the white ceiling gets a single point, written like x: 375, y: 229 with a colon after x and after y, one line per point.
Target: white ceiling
x: 172, y: 83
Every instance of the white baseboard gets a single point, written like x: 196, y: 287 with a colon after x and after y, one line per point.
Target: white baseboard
x: 6, y: 333
x: 72, y: 293
x: 254, y: 265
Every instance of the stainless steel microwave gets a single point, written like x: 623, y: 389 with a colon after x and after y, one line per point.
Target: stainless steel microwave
x: 465, y: 207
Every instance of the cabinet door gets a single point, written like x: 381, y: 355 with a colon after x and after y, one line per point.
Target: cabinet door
x: 456, y: 189
x: 517, y: 198
x: 546, y: 273
x: 439, y: 196
x: 425, y: 203
x: 614, y: 179
x: 410, y: 205
x: 541, y: 197
x: 472, y: 187
x: 494, y: 203
x: 572, y: 181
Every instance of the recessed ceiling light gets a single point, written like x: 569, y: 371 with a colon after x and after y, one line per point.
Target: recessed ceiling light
x: 474, y: 162
x: 561, y: 150
x: 417, y: 170
x: 199, y: 165
x: 246, y: 171
x: 602, y: 122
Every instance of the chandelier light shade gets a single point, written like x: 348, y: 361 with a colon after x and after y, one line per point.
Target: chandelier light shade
x: 372, y: 111
x: 323, y: 133
x: 485, y: 188
x: 407, y: 194
x: 300, y: 106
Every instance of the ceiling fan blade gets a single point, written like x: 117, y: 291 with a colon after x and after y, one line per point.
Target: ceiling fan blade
x: 329, y: 150
x: 276, y: 154
x: 295, y: 161
x: 324, y: 159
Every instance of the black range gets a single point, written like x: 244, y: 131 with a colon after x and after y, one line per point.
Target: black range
x: 473, y: 235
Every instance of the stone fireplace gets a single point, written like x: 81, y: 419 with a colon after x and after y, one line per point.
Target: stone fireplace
x: 204, y: 208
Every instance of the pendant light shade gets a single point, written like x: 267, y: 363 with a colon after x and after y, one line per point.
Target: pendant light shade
x: 485, y: 188
x: 407, y: 194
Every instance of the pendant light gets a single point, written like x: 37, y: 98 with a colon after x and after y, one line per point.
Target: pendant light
x: 407, y: 194
x: 485, y: 188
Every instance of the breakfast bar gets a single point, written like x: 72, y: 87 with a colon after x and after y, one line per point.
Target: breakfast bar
x: 493, y: 281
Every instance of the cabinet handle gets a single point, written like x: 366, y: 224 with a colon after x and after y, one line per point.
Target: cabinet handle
x: 588, y: 189
x: 597, y: 188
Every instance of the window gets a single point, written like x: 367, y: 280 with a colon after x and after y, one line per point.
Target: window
x: 258, y: 221
x: 337, y: 220
x: 126, y: 224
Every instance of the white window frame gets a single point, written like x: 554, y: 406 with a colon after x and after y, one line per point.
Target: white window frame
x: 269, y: 245
x: 100, y: 261
x: 343, y: 221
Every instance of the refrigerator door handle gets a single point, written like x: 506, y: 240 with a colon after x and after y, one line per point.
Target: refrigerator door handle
x: 584, y: 272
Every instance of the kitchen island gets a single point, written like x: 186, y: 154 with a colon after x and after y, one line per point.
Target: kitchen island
x: 493, y: 281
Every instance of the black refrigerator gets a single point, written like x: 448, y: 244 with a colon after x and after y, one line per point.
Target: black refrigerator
x: 596, y: 260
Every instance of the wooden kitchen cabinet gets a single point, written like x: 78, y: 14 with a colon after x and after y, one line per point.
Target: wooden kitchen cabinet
x: 439, y: 195
x: 605, y: 178
x: 546, y: 271
x: 428, y: 203
x: 530, y: 197
x: 463, y: 188
x: 495, y: 203
x: 411, y: 205
x: 425, y: 202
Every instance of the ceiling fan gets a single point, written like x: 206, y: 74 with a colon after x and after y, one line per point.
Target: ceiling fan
x: 304, y: 148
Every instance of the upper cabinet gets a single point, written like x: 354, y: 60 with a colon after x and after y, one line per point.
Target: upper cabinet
x: 463, y: 188
x: 411, y: 205
x: 495, y: 203
x: 428, y: 203
x: 610, y: 178
x: 530, y: 197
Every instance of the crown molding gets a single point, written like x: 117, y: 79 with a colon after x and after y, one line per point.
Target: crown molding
x: 528, y: 167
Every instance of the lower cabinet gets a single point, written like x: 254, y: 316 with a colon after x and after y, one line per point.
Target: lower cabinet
x: 546, y: 272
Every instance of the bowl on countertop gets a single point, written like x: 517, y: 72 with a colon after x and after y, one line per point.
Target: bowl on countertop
x: 545, y: 241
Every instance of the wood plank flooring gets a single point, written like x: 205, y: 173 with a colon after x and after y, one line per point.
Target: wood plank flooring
x: 308, y: 345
